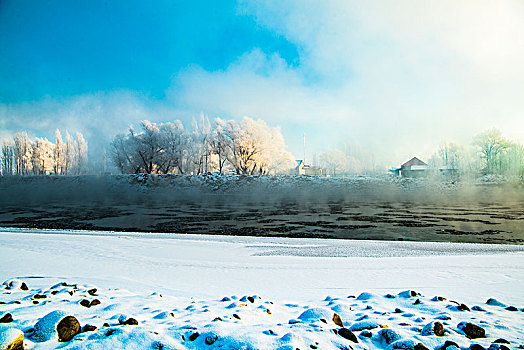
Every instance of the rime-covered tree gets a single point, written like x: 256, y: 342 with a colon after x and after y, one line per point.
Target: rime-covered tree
x: 255, y: 148
x: 22, y: 150
x: 42, y: 156
x: 220, y: 145
x: 8, y: 154
x: 334, y: 161
x: 58, y: 154
x: 175, y: 143
x: 199, y: 145
x: 69, y: 154
x: 80, y: 154
x: 491, y: 145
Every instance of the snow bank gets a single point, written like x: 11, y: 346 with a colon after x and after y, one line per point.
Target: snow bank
x: 389, y: 321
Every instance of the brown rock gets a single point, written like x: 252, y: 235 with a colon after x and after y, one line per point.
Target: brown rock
x: 92, y: 291
x: 6, y: 318
x: 472, y: 330
x: 94, y: 302
x: 347, y: 334
x: 463, y: 307
x: 130, y: 322
x: 420, y: 346
x: 16, y: 344
x: 67, y: 328
x: 89, y: 328
x: 337, y: 320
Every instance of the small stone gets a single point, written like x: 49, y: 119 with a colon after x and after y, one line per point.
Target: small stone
x: 347, y: 334
x: 495, y: 302
x: 389, y: 335
x: 323, y: 320
x: 11, y: 339
x: 501, y: 341
x: 251, y: 299
x: 6, y: 318
x: 496, y: 346
x: 449, y: 343
x: 94, y: 302
x: 365, y: 334
x: 39, y: 296
x: 193, y: 336
x: 337, y: 320
x: 67, y: 328
x: 420, y: 346
x: 130, y: 322
x: 85, y: 303
x: 105, y: 324
x: 268, y: 311
x: 478, y: 308
x: 211, y: 339
x: 398, y: 311
x: 236, y: 316
x: 36, y: 302
x: 433, y: 328
x: 88, y: 328
x: 112, y: 331
x: 472, y: 330
x: 463, y: 307
x: 390, y: 296
x: 512, y: 308
x: 92, y: 291
x: 476, y: 347
x: 217, y: 319
x: 413, y: 293
x: 416, y: 302
x: 225, y: 299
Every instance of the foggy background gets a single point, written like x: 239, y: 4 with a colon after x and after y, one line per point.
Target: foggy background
x: 392, y: 78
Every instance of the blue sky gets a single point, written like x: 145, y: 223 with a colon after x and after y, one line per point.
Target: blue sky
x: 392, y: 78
x: 64, y: 48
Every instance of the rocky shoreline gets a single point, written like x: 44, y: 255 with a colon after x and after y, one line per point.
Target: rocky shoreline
x: 75, y: 316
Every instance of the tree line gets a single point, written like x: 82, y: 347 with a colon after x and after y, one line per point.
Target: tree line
x: 489, y: 153
x: 23, y: 156
x: 246, y: 147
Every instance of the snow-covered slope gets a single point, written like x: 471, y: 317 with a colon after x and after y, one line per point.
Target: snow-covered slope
x: 174, y: 287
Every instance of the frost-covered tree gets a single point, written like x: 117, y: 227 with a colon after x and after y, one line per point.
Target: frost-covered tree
x: 220, y: 145
x: 80, y: 154
x: 199, y: 146
x: 69, y: 154
x: 22, y: 150
x: 8, y: 154
x: 250, y: 147
x: 512, y: 160
x: 58, y: 154
x: 255, y: 148
x: 334, y: 161
x: 175, y: 143
x: 491, y: 145
x: 42, y: 156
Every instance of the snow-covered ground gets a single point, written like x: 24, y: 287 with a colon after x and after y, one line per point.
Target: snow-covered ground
x: 194, y: 273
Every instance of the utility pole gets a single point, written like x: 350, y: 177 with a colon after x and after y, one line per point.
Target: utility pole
x: 304, y: 148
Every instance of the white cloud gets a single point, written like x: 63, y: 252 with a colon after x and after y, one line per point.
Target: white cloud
x: 398, y: 77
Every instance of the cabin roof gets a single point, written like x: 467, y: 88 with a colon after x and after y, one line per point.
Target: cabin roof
x: 413, y: 162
